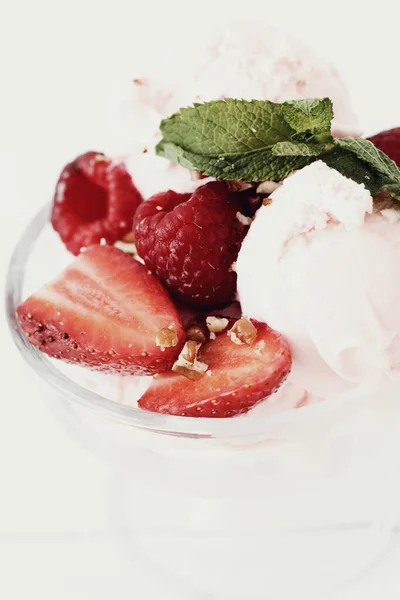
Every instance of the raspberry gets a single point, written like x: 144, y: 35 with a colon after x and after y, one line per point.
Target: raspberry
x: 191, y: 241
x: 94, y: 199
x: 389, y: 142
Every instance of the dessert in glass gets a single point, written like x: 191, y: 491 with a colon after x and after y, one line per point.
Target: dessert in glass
x: 220, y: 318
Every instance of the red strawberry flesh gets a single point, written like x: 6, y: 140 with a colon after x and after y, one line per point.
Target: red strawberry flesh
x: 104, y: 311
x: 239, y: 377
x: 94, y: 199
x: 191, y: 242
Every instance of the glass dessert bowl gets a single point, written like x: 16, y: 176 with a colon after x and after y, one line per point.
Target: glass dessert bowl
x: 310, y: 486
x: 299, y: 493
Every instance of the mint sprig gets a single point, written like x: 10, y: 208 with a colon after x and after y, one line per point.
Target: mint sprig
x: 238, y: 139
x: 258, y: 140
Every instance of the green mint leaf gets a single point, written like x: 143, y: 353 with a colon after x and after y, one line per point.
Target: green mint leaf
x: 368, y: 153
x: 255, y: 166
x: 352, y: 167
x: 297, y: 149
x: 259, y: 140
x: 250, y: 140
x: 311, y: 115
x: 228, y: 126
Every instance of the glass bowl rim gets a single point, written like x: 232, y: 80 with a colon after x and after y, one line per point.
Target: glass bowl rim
x: 158, y: 423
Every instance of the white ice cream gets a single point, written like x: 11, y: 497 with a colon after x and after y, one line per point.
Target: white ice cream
x: 321, y: 268
x: 241, y: 61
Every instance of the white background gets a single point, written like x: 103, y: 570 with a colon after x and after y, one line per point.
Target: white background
x: 59, y: 63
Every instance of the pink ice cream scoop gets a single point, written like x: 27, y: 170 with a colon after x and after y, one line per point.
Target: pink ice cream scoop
x: 320, y: 266
x: 249, y: 61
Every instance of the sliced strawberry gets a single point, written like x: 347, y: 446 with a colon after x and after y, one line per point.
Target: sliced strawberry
x: 94, y: 199
x: 105, y: 311
x: 238, y: 377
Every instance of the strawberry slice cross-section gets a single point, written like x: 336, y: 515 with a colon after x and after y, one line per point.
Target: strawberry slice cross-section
x: 105, y: 311
x: 238, y: 377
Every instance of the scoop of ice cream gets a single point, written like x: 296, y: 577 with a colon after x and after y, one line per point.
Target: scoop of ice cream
x: 240, y: 61
x: 320, y: 267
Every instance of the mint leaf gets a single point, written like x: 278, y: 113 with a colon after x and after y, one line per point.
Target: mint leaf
x: 352, y: 167
x: 256, y: 166
x: 310, y: 115
x: 250, y: 140
x: 297, y: 149
x: 227, y: 127
x: 368, y: 153
x: 259, y: 140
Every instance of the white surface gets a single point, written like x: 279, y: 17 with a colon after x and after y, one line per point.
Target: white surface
x: 56, y: 539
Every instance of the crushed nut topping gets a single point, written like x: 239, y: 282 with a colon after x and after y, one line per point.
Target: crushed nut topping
x: 243, y: 332
x: 190, y: 351
x: 197, y: 332
x: 167, y: 337
x: 187, y: 363
x: 216, y: 324
x: 267, y: 187
x: 196, y: 175
x: 128, y: 247
x: 238, y: 186
x: 243, y: 219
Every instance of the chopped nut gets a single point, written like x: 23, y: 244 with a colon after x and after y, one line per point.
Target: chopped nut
x: 187, y: 363
x: 243, y: 219
x: 267, y: 187
x: 216, y: 324
x: 167, y: 337
x: 128, y: 247
x: 267, y: 201
x: 138, y: 81
x: 190, y: 350
x: 193, y: 372
x: 243, y: 332
x: 196, y: 175
x: 238, y: 186
x: 232, y: 267
x: 197, y: 332
x: 212, y: 336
